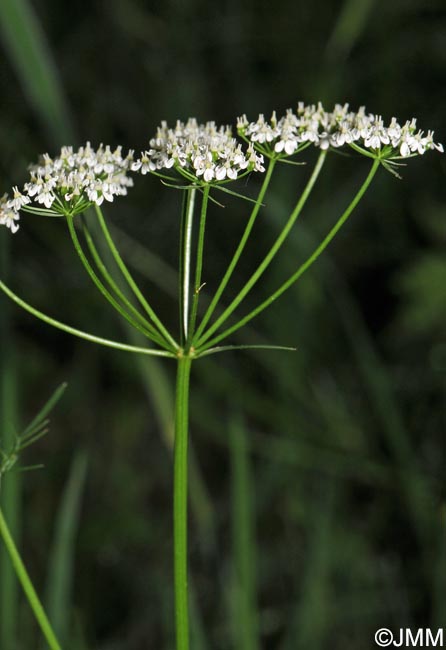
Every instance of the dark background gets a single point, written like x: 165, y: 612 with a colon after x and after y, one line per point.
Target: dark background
x: 346, y: 436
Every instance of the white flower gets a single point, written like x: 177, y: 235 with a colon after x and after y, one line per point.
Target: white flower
x: 18, y: 201
x: 46, y: 197
x: 430, y: 144
x: 8, y: 216
x: 144, y: 164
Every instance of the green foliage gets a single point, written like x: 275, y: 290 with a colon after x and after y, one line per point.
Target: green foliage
x: 421, y: 286
x: 345, y: 435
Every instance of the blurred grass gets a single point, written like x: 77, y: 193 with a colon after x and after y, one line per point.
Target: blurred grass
x: 348, y: 28
x: 28, y: 51
x: 10, y: 492
x: 346, y: 435
x: 244, y: 592
x: 311, y: 622
x: 61, y: 560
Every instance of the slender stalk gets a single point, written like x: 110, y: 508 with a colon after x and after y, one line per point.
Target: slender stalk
x: 186, y: 256
x: 301, y: 270
x: 81, y: 334
x: 27, y: 585
x: 271, y: 254
x: 181, y: 265
x: 149, y: 331
x: 180, y: 502
x: 131, y: 282
x: 199, y: 260
x: 240, y: 248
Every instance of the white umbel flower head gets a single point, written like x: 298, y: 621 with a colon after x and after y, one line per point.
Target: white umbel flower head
x: 70, y: 183
x: 365, y: 132
x: 198, y: 152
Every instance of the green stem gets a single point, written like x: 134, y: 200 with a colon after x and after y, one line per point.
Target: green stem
x: 301, y: 270
x: 180, y: 502
x: 210, y: 310
x: 186, y: 255
x: 181, y: 265
x: 131, y: 282
x: 144, y: 326
x: 83, y: 335
x: 199, y: 262
x: 103, y: 290
x: 27, y: 585
x: 271, y: 254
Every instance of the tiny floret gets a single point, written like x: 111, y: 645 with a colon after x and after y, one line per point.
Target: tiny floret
x: 18, y: 200
x: 9, y: 217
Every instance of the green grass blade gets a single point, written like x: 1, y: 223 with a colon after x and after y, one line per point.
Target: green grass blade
x: 28, y: 51
x: 348, y: 28
x: 246, y: 624
x: 197, y: 632
x: 10, y: 487
x: 45, y: 410
x: 61, y: 558
x: 309, y: 628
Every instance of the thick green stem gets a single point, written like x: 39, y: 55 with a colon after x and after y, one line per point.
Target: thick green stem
x: 180, y: 503
x: 301, y: 270
x: 271, y: 254
x: 199, y: 260
x: 131, y: 282
x: 240, y: 248
x: 27, y: 585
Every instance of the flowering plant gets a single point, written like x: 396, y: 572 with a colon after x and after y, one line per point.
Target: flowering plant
x: 198, y: 159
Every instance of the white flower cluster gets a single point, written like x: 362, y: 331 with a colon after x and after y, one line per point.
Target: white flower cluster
x: 208, y: 153
x: 313, y: 124
x: 198, y: 151
x: 70, y: 183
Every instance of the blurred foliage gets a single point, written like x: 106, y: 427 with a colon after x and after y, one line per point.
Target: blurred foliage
x: 346, y: 437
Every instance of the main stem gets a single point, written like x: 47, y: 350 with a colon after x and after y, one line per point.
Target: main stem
x: 180, y: 502
x: 27, y: 585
